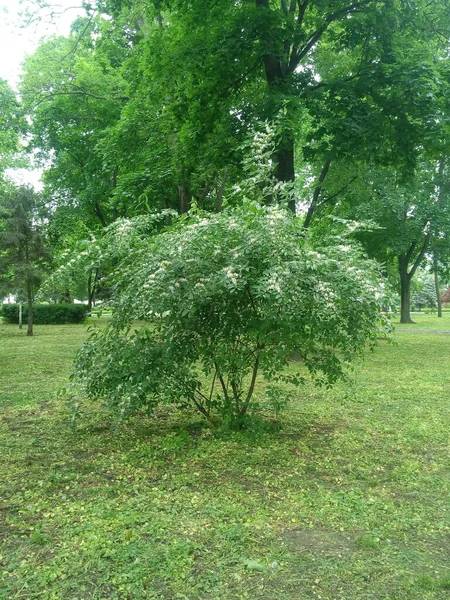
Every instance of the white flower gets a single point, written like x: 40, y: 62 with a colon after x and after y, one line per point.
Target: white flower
x: 232, y: 276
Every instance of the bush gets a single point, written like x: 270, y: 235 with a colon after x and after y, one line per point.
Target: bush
x: 226, y: 299
x: 47, y: 314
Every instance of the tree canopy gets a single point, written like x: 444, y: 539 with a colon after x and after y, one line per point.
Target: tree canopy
x: 155, y: 105
x: 11, y: 126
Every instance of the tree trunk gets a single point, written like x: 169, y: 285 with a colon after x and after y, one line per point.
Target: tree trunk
x: 98, y: 212
x: 277, y: 76
x: 405, y: 291
x: 285, y: 170
x: 436, y: 285
x: 316, y: 195
x: 184, y: 199
x: 20, y: 315
x: 30, y: 309
x: 91, y: 289
x: 220, y: 192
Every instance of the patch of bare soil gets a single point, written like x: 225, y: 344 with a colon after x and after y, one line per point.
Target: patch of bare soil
x: 318, y: 541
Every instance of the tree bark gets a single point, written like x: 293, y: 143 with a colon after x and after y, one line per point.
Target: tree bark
x: 285, y: 169
x: 30, y: 308
x: 98, y: 212
x: 316, y: 194
x: 220, y: 191
x: 29, y: 291
x: 279, y: 67
x: 91, y: 289
x: 436, y: 286
x: 276, y: 77
x: 20, y: 315
x: 405, y: 291
x: 184, y: 198
x: 184, y: 193
x: 406, y: 276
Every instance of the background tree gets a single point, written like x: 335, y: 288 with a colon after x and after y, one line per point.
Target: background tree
x: 445, y: 298
x: 147, y: 105
x: 23, y: 254
x: 73, y: 92
x: 11, y: 126
x: 408, y: 215
x: 425, y: 296
x: 191, y: 80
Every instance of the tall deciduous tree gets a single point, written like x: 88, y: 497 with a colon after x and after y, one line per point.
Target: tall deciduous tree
x: 200, y: 74
x: 73, y: 93
x: 408, y: 215
x: 11, y: 125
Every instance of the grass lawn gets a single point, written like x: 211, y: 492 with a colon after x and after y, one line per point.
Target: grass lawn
x: 349, y: 500
x: 423, y: 321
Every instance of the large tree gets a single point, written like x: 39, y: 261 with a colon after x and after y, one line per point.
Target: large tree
x: 407, y: 217
x: 72, y: 94
x: 190, y: 80
x: 148, y: 104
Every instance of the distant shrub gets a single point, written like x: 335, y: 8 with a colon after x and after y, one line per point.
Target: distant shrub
x: 445, y: 298
x: 47, y: 314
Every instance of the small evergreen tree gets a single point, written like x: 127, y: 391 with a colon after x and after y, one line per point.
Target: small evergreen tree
x: 23, y: 254
x: 425, y: 297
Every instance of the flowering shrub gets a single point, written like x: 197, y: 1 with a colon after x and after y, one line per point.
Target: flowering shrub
x: 222, y: 300
x: 95, y: 259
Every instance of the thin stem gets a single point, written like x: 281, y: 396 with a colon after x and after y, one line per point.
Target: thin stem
x: 338, y: 192
x: 236, y: 394
x: 224, y: 387
x: 212, y: 385
x: 202, y: 409
x: 251, y: 389
x: 252, y: 300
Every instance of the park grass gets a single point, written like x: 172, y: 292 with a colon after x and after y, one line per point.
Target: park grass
x: 347, y: 500
x: 425, y: 321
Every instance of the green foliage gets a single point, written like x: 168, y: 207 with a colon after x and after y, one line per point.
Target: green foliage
x: 425, y: 297
x: 11, y: 126
x: 47, y: 314
x: 72, y: 91
x: 95, y: 259
x: 224, y: 298
x: 23, y: 251
x: 410, y: 216
x: 349, y: 499
x: 146, y: 104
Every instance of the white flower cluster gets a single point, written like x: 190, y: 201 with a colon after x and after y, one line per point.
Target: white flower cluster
x: 273, y: 283
x: 232, y: 276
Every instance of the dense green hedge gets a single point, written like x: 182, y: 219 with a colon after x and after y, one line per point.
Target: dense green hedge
x: 46, y: 314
